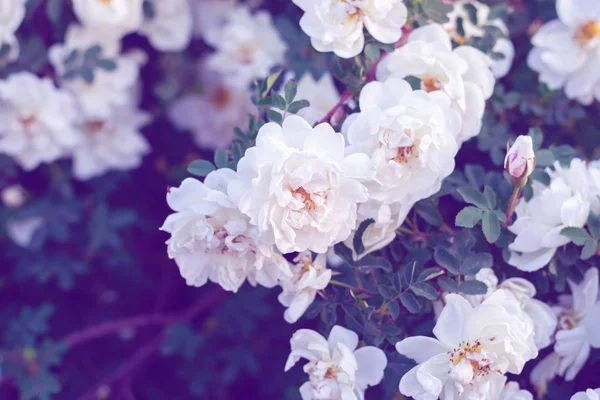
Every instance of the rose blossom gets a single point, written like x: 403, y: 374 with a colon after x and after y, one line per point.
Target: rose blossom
x: 336, y: 369
x: 298, y: 188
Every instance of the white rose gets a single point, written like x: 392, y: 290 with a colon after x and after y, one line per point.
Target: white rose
x: 336, y: 369
x: 109, y: 88
x: 590, y: 394
x: 110, y: 17
x: 564, y: 203
x: 209, y: 16
x: 169, y: 25
x: 578, y: 331
x: 300, y: 290
x: 565, y: 51
x: 38, y: 120
x: 21, y: 231
x: 13, y: 196
x: 337, y: 25
x: 246, y: 48
x: 210, y: 238
x: 463, y: 73
x: 12, y: 13
x: 298, y: 188
x: 512, y: 391
x: 114, y: 143
x: 212, y: 115
x: 409, y: 136
x: 503, y: 45
x: 472, y: 351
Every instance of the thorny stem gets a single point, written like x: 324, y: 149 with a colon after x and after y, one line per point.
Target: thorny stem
x: 512, y: 204
x: 343, y: 284
x: 347, y: 95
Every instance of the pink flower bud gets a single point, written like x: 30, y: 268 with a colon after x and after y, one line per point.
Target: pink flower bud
x: 520, y: 160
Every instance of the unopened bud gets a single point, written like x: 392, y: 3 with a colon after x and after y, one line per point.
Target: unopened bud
x: 520, y: 160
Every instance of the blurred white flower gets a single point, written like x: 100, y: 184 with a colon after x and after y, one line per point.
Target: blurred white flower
x: 563, y: 203
x: 566, y: 50
x: 13, y: 196
x: 246, y: 48
x: 590, y: 394
x: 212, y: 115
x: 387, y: 218
x: 463, y: 73
x: 12, y: 13
x: 321, y: 94
x: 337, y: 25
x: 167, y: 24
x: 578, y: 331
x: 520, y: 160
x: 110, y: 17
x: 298, y: 188
x: 209, y: 16
x: 473, y: 350
x: 336, y: 369
x: 472, y: 29
x: 37, y: 120
x: 114, y: 143
x: 299, y: 290
x: 512, y: 391
x: 21, y: 231
x: 211, y: 239
x: 409, y: 136
x: 111, y: 86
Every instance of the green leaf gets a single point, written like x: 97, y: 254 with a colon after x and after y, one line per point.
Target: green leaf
x: 444, y: 258
x: 275, y: 116
x: 471, y: 13
x: 544, y: 158
x: 576, y: 235
x: 385, y: 291
x: 409, y: 272
x: 92, y: 54
x: 240, y: 134
x: 269, y: 82
x: 500, y: 215
x: 278, y: 101
x: 409, y: 301
x: 71, y: 57
x: 468, y: 217
x: 589, y: 249
x: 429, y: 212
x: 297, y: 106
x: 473, y: 287
x: 429, y: 273
x: 107, y: 64
x: 425, y: 290
x: 540, y: 176
x: 473, y: 196
x: 491, y: 197
x: 448, y: 284
x: 357, y: 242
x: 372, y: 52
x: 200, y: 167
x: 291, y: 89
x: 87, y: 74
x: 593, y: 225
x: 537, y: 137
x: 475, y: 262
x: 54, y: 10
x: 394, y: 309
x: 344, y: 252
x: 221, y: 159
x: 490, y: 226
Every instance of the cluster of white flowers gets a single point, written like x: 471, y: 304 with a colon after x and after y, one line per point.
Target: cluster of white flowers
x: 566, y: 202
x: 577, y: 333
x: 93, y: 115
x: 566, y: 50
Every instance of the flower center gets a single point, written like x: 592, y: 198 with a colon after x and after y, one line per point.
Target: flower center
x: 93, y: 127
x: 305, y: 198
x: 431, y: 84
x: 568, y: 320
x: 587, y: 32
x: 247, y: 52
x: 470, y: 360
x: 106, y: 2
x: 27, y: 121
x: 220, y: 97
x: 405, y: 154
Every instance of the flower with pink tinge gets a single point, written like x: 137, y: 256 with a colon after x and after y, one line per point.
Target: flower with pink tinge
x: 520, y: 160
